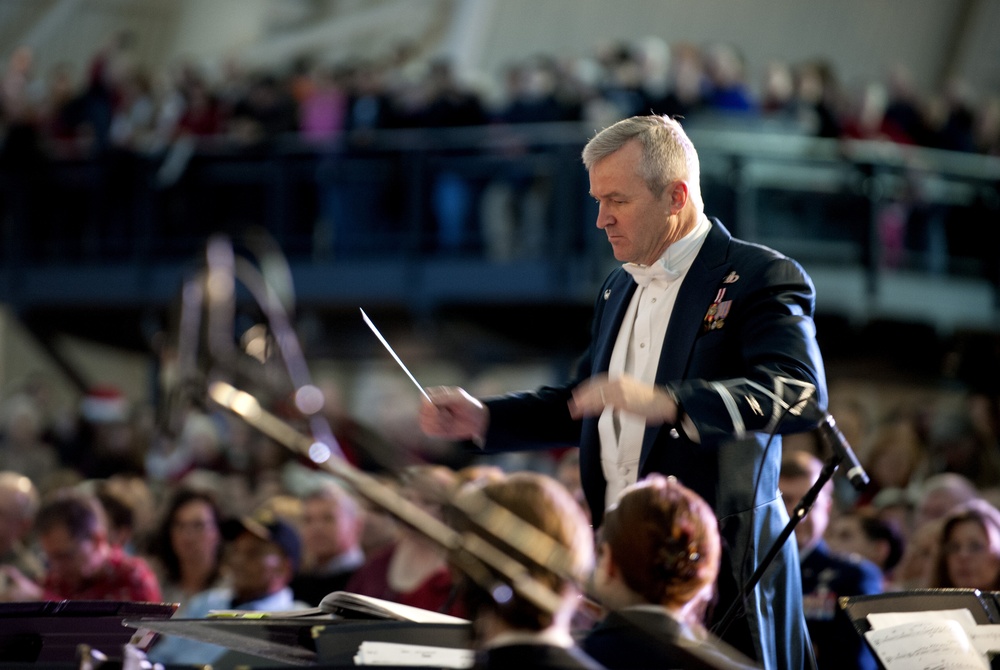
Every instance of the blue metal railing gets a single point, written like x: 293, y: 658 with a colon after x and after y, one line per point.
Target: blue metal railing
x: 471, y: 214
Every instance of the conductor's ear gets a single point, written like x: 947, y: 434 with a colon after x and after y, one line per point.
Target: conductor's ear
x: 679, y: 195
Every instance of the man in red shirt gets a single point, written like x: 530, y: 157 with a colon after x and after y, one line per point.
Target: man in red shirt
x: 82, y: 564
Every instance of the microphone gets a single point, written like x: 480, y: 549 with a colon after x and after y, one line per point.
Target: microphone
x: 832, y: 438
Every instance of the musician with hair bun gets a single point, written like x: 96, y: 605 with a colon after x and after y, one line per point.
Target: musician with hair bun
x: 658, y: 560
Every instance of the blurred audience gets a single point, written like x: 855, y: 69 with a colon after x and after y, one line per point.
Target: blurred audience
x: 896, y: 456
x: 120, y: 514
x: 379, y: 529
x: 19, y: 501
x: 567, y: 473
x: 117, y: 103
x: 916, y: 566
x: 414, y: 570
x: 199, y: 446
x: 893, y: 507
x: 861, y: 532
x: 262, y: 555
x: 81, y: 564
x: 968, y: 549
x: 728, y: 90
x: 937, y: 495
x: 955, y: 445
x: 263, y: 552
x: 23, y: 447
x: 186, y: 548
x: 104, y: 442
x: 331, y: 543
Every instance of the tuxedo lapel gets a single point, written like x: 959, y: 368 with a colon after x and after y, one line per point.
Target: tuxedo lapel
x: 618, y: 295
x: 697, y: 291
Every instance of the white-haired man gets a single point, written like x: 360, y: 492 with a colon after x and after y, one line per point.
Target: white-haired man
x: 701, y: 345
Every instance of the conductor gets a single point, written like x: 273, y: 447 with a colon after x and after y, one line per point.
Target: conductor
x: 702, y: 346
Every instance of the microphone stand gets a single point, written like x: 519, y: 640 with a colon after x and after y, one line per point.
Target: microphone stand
x: 799, y: 513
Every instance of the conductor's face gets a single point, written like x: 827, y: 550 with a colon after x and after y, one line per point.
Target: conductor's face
x: 638, y: 224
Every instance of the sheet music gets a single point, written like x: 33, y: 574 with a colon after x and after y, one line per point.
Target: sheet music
x: 986, y: 638
x: 384, y: 608
x: 934, y: 644
x: 885, y: 619
x: 393, y: 653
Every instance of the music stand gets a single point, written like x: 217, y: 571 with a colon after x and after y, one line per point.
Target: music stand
x: 983, y: 607
x: 288, y: 641
x: 52, y: 631
x: 305, y: 640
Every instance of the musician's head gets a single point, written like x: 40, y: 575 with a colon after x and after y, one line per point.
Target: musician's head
x: 659, y: 545
x: 547, y: 506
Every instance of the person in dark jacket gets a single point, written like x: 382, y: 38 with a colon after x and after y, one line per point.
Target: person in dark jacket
x: 827, y: 575
x: 702, y: 346
x: 656, y: 569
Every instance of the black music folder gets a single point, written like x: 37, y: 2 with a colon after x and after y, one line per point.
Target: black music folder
x: 51, y: 632
x: 344, y: 626
x: 305, y: 640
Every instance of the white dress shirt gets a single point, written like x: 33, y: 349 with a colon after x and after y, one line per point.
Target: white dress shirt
x: 637, y: 353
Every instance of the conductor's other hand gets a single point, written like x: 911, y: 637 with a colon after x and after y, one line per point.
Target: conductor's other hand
x: 625, y: 393
x: 453, y: 414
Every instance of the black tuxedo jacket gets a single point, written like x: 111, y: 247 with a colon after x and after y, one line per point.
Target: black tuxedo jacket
x: 635, y: 639
x: 534, y: 657
x: 826, y: 577
x: 739, y: 350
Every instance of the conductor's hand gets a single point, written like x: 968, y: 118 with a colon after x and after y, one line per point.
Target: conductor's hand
x: 453, y: 414
x: 625, y: 393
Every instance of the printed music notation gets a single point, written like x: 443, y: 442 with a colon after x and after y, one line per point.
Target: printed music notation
x: 932, y: 640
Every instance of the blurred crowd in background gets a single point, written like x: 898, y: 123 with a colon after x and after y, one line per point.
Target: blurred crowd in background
x: 908, y: 447
x: 115, y: 158
x: 928, y: 518
x: 117, y: 101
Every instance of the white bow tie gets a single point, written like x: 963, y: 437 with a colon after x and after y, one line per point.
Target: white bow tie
x: 644, y: 274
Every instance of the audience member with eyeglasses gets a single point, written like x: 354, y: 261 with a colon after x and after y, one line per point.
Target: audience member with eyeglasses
x: 187, y: 547
x: 81, y: 564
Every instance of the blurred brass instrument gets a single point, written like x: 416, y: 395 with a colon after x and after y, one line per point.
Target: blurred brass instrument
x: 470, y: 552
x: 494, y: 547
